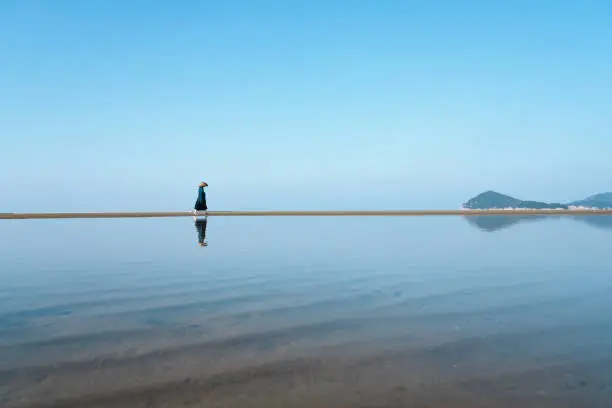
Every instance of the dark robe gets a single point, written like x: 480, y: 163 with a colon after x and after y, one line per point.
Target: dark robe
x: 200, y: 204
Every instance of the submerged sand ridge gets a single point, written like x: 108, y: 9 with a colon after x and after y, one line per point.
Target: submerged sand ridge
x: 405, y: 379
x: 284, y: 368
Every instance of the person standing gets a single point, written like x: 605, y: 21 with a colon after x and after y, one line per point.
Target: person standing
x: 200, y: 204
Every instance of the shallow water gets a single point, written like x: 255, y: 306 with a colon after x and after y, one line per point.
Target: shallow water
x: 306, y: 311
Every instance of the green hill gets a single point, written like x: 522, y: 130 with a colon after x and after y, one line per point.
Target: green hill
x: 601, y: 200
x: 492, y: 199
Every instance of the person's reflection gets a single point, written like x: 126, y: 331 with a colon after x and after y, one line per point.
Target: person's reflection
x: 200, y: 225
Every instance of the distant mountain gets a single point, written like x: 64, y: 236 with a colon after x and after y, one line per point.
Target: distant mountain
x: 492, y: 199
x: 601, y: 200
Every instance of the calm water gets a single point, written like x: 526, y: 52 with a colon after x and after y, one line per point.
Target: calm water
x: 303, y: 312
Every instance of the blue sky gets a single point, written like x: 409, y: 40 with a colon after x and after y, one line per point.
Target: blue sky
x: 112, y: 105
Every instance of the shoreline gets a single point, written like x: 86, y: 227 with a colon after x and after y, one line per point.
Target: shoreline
x: 166, y: 214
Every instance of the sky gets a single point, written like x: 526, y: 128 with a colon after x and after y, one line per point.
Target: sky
x: 110, y: 105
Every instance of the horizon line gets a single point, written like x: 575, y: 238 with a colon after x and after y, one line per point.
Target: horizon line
x: 167, y: 214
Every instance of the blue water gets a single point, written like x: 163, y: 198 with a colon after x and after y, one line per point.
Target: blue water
x: 305, y: 311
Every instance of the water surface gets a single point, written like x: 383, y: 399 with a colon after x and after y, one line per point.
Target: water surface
x: 305, y: 311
